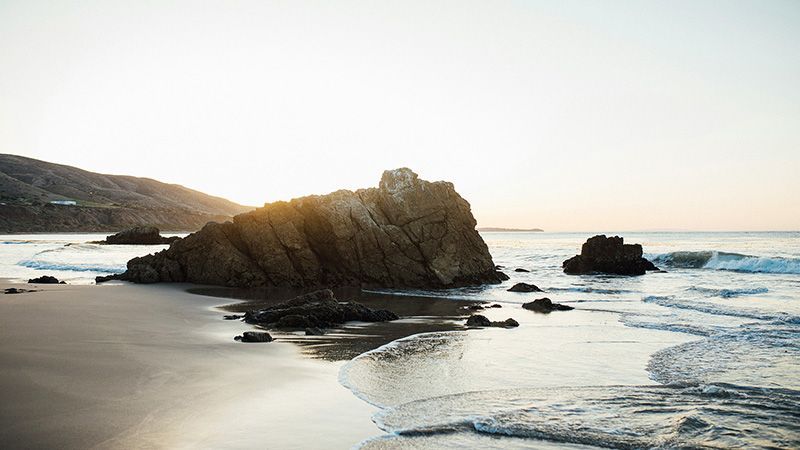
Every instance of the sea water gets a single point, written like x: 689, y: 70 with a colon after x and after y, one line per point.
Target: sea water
x: 75, y: 258
x: 703, y: 354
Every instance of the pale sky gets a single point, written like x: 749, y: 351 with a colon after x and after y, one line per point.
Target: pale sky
x: 584, y: 115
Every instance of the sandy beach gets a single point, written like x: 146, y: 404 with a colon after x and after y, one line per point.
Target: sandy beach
x: 131, y: 366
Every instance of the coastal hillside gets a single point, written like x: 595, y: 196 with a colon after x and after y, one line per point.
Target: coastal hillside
x: 38, y: 196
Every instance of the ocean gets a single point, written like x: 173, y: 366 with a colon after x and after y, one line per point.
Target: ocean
x: 703, y: 354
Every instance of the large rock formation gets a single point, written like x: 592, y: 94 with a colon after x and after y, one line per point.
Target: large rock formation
x: 405, y: 233
x: 601, y: 254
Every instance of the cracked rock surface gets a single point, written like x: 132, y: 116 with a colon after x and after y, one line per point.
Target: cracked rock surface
x: 407, y: 232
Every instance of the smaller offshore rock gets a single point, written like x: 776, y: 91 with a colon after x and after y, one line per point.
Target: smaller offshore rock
x: 140, y: 236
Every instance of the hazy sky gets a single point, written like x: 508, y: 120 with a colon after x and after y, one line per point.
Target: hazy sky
x: 586, y: 115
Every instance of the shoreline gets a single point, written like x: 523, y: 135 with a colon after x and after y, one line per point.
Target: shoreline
x: 124, y: 366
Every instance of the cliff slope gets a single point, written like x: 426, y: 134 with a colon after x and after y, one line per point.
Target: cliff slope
x: 97, y: 202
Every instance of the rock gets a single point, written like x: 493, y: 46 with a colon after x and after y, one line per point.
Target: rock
x: 314, y: 331
x: 474, y: 307
x: 254, y: 336
x: 524, y: 287
x: 601, y: 254
x: 15, y: 291
x: 522, y: 270
x: 545, y: 305
x: 46, y: 279
x: 495, y: 305
x: 232, y: 317
x: 478, y: 320
x: 501, y: 276
x: 318, y: 309
x: 140, y: 236
x: 405, y: 233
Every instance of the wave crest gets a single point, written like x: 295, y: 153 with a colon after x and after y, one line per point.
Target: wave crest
x: 728, y: 261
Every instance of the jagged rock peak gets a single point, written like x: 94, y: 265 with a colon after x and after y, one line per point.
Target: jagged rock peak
x: 408, y: 232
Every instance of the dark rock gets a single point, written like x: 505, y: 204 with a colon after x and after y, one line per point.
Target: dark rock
x: 104, y: 278
x: 46, y: 279
x: 232, y: 317
x: 499, y: 267
x: 314, y: 331
x: 474, y: 307
x: 495, y: 305
x: 478, y: 320
x: 501, y: 276
x: 522, y: 270
x: 405, y: 233
x: 601, y: 254
x: 545, y: 305
x: 524, y: 287
x: 16, y: 291
x: 316, y: 309
x: 140, y: 236
x: 254, y: 336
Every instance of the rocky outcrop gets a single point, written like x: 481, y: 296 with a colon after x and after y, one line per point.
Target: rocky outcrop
x: 140, y: 236
x: 478, y: 320
x: 524, y: 287
x: 254, y: 336
x: 46, y: 279
x: 545, y: 305
x: 318, y: 309
x: 405, y: 233
x: 601, y: 254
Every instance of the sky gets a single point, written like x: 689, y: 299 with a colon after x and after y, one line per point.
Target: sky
x: 563, y: 115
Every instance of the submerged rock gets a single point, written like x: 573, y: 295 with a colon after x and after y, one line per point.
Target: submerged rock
x: 254, y: 336
x: 501, y: 276
x: 522, y: 270
x: 478, y: 320
x: 406, y: 233
x: 524, y: 287
x: 545, y: 305
x: 232, y: 317
x: 46, y: 279
x: 140, y: 236
x: 318, y: 309
x: 601, y: 254
x: 314, y: 331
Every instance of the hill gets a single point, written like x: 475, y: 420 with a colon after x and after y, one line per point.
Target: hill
x: 39, y: 196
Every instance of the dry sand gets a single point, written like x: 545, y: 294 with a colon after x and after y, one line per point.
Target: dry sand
x: 133, y: 366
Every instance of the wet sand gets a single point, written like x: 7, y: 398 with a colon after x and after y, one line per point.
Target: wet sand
x: 134, y: 366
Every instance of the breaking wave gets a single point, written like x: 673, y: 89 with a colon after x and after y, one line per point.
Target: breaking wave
x: 728, y: 293
x: 73, y: 267
x: 728, y: 261
x: 709, y: 308
x: 682, y: 415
